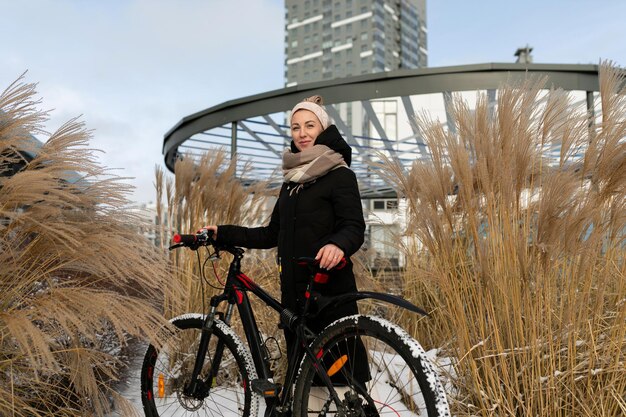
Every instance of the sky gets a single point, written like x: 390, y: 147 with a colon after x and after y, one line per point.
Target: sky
x: 132, y: 69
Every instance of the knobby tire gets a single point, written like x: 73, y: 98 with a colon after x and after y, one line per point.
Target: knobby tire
x: 171, y: 367
x: 401, y: 381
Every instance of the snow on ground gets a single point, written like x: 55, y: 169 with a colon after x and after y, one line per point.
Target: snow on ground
x: 129, y: 388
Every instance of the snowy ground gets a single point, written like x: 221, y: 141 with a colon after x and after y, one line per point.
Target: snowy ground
x: 130, y: 387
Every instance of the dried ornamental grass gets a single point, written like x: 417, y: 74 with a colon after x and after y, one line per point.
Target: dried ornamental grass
x: 208, y: 191
x: 519, y: 255
x: 76, y: 279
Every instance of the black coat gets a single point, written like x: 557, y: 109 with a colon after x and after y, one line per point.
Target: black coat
x: 326, y: 210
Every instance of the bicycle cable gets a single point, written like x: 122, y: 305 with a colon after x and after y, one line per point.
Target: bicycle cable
x: 217, y: 277
x: 203, y: 275
x: 202, y: 280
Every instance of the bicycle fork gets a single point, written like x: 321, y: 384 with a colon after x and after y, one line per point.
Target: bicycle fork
x: 197, y: 388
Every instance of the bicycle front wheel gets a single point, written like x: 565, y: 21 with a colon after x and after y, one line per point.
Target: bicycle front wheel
x: 166, y: 372
x: 377, y: 370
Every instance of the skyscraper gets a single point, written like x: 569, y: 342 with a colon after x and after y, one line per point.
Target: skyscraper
x: 326, y: 39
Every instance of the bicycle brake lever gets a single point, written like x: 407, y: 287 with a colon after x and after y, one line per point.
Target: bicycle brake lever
x: 178, y: 245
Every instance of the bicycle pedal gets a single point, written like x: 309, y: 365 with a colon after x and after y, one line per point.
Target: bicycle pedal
x: 265, y: 388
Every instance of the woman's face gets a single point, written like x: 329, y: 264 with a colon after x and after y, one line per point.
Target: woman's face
x: 305, y: 127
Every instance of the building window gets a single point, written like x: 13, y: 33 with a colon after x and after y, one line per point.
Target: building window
x: 387, y: 114
x: 384, y: 204
x: 383, y: 240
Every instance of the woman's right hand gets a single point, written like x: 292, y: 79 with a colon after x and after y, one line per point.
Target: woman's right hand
x: 212, y: 228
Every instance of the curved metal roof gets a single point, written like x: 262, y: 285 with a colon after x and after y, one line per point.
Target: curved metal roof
x: 247, y: 126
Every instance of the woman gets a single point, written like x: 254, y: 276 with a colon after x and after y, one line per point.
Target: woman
x: 318, y: 213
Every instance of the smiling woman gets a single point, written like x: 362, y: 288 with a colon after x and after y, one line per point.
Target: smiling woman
x: 318, y: 212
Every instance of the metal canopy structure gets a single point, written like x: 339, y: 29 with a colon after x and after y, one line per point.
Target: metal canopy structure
x: 253, y: 127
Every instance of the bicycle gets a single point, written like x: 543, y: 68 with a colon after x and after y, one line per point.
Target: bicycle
x: 208, y: 370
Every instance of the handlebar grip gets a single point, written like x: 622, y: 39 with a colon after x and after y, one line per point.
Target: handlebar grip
x: 342, y: 263
x: 185, y: 239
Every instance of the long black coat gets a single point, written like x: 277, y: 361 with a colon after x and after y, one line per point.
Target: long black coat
x: 326, y: 210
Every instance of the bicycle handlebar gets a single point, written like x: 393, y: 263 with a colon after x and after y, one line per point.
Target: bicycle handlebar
x: 193, y: 241
x: 185, y: 240
x: 205, y: 237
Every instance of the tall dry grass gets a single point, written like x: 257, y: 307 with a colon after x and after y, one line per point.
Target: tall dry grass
x: 520, y: 257
x: 76, y: 279
x: 209, y: 191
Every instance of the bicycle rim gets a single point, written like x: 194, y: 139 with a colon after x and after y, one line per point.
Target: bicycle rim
x: 378, y: 371
x: 167, y: 371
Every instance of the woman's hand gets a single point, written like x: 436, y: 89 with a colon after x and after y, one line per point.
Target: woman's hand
x: 329, y: 256
x: 212, y: 228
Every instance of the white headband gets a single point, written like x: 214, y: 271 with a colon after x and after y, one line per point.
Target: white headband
x: 316, y: 109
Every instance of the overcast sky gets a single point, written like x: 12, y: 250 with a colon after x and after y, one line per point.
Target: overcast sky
x: 134, y: 68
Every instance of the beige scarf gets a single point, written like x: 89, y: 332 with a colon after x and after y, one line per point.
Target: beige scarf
x: 310, y: 164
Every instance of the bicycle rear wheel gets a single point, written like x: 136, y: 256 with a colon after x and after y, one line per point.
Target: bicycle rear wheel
x: 378, y: 370
x: 167, y: 371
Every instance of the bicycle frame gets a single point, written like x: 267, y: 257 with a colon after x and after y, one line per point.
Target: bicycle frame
x: 235, y: 293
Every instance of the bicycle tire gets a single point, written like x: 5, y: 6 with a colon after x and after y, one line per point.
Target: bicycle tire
x: 165, y: 372
x: 401, y: 380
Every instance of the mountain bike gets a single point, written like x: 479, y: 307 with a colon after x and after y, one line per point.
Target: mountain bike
x: 358, y: 366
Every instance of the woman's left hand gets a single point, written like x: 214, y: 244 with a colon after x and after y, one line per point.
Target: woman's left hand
x: 329, y: 256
